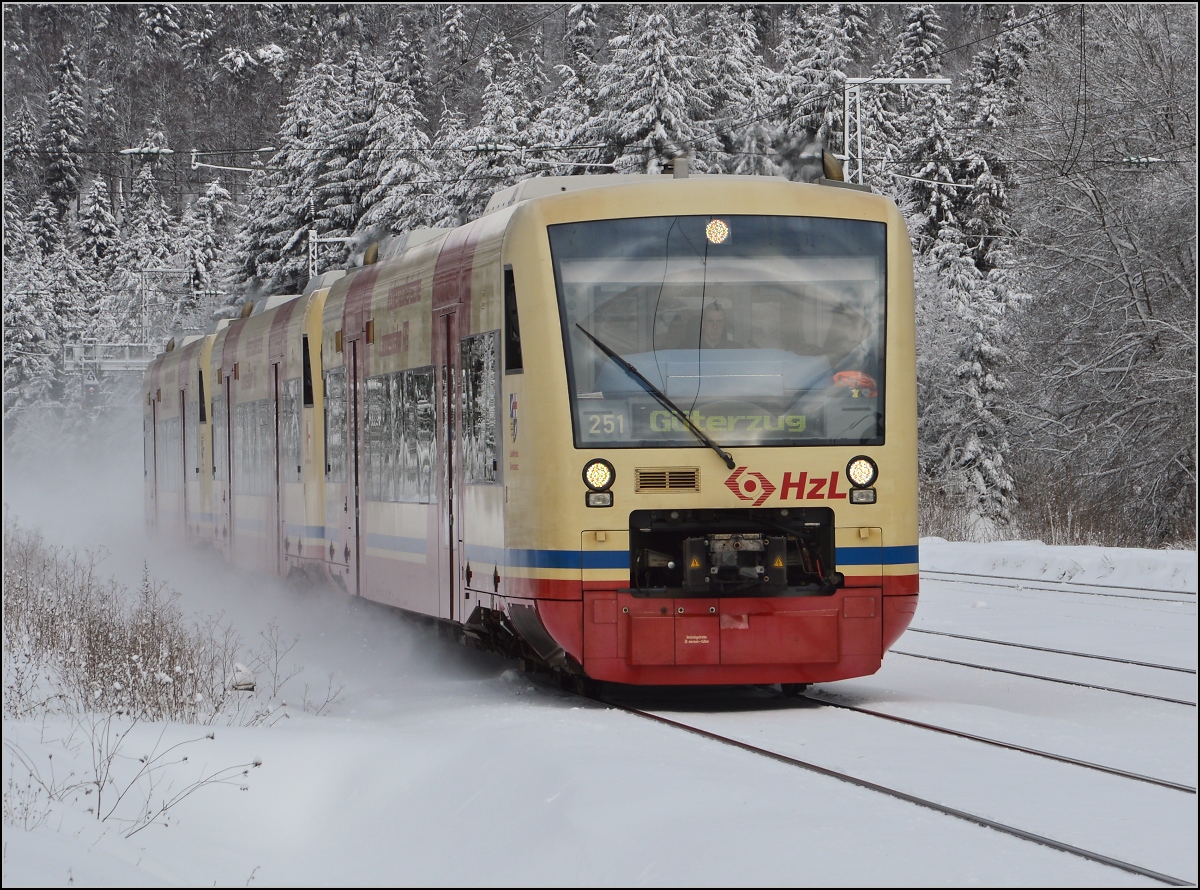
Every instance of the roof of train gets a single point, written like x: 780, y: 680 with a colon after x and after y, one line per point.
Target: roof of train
x: 543, y: 186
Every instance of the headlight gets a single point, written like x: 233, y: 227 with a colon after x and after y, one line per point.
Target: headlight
x: 599, y: 475
x: 862, y: 472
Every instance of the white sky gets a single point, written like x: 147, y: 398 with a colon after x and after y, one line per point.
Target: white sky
x: 442, y: 766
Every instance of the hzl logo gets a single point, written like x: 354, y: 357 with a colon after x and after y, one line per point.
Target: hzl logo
x: 745, y: 488
x: 757, y: 488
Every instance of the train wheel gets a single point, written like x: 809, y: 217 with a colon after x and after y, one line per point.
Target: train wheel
x: 793, y: 689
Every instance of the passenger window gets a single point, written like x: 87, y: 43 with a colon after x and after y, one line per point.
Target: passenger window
x: 479, y: 407
x: 308, y: 379
x: 512, y: 327
x: 335, y: 425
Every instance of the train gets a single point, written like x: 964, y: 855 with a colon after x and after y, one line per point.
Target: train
x: 639, y: 429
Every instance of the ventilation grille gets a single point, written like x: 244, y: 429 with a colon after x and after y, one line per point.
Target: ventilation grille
x: 667, y: 479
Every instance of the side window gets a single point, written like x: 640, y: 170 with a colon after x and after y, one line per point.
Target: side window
x: 290, y: 428
x: 512, y: 326
x: 420, y: 425
x: 335, y: 425
x: 308, y: 378
x: 479, y: 407
x: 376, y: 438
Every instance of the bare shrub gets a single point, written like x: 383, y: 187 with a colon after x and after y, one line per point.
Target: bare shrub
x: 131, y: 792
x: 75, y: 642
x: 105, y: 659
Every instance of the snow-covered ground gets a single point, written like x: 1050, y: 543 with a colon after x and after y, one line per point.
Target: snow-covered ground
x: 443, y: 766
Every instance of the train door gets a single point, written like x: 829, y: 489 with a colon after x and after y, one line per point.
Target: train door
x: 151, y: 458
x: 183, y: 465
x: 227, y: 482
x: 449, y: 534
x: 354, y: 392
x: 276, y: 540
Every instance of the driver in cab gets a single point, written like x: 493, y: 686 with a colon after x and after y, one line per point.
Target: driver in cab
x: 712, y: 332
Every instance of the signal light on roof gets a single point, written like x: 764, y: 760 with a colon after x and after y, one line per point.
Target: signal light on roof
x: 716, y: 231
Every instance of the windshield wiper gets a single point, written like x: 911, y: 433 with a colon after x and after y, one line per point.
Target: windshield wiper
x: 662, y: 399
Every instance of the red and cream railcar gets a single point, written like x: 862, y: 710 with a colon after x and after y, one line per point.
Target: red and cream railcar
x: 660, y: 430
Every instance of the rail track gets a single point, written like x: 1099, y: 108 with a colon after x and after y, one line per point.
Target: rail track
x: 1147, y: 664
x: 1099, y: 767
x: 1179, y: 596
x: 1030, y: 676
x: 1003, y: 828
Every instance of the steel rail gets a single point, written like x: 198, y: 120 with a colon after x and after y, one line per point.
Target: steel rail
x: 1065, y: 581
x: 982, y: 821
x: 1061, y: 758
x: 1033, y: 584
x: 1147, y: 664
x: 984, y: 667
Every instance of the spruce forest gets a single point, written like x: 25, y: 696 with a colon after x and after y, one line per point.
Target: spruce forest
x: 164, y: 163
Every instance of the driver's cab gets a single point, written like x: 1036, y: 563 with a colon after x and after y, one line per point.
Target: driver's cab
x: 771, y: 338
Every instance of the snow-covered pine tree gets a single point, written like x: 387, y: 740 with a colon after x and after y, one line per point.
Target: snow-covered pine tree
x: 891, y: 115
x: 994, y: 97
x: 544, y: 137
x: 272, y: 244
x: 99, y: 236
x: 964, y: 435
x: 77, y: 294
x: 571, y: 107
x: 31, y: 355
x: 727, y: 46
x: 451, y: 50
x: 62, y: 136
x: 919, y: 50
x: 148, y: 239
x: 649, y: 93
x: 582, y: 33
x: 22, y: 166
x: 838, y: 33
x: 797, y: 83
x: 396, y: 157
x: 42, y: 224
x: 150, y: 227
x: 343, y: 181
x: 493, y: 147
x: 450, y: 159
x: 204, y: 234
x: 408, y: 59
x: 17, y: 240
x: 968, y: 428
x: 932, y: 158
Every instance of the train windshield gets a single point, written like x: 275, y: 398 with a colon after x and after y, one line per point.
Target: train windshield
x: 765, y: 330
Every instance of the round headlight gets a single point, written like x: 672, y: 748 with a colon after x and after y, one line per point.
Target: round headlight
x: 861, y: 471
x: 599, y: 475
